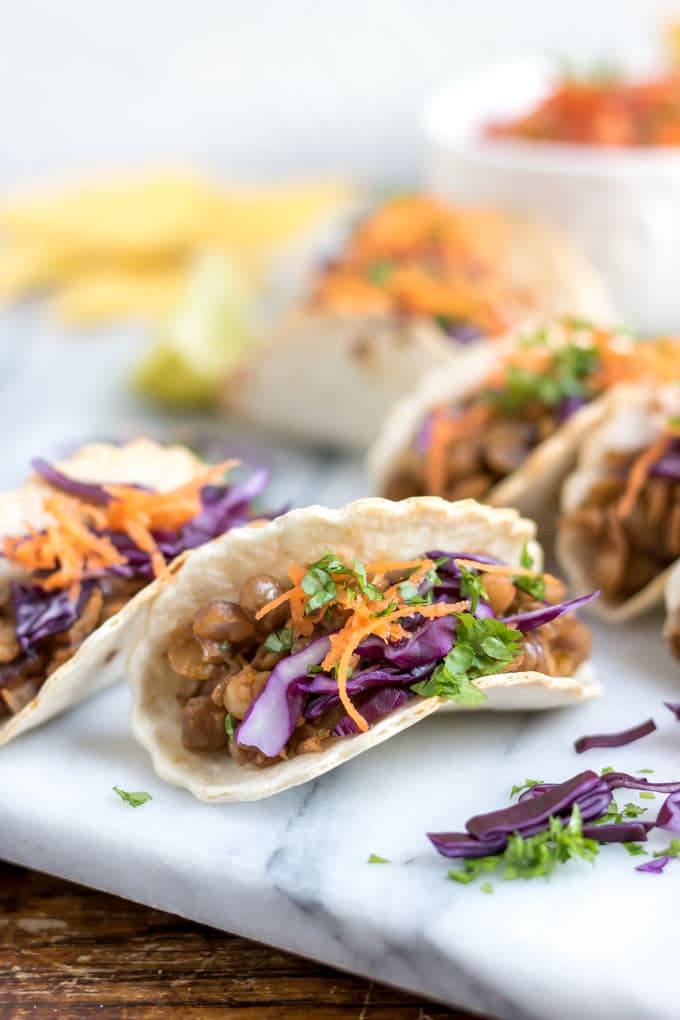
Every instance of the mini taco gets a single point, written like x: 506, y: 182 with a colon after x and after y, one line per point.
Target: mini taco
x: 506, y: 430
x: 82, y: 543
x: 619, y: 528
x: 280, y: 653
x: 416, y: 279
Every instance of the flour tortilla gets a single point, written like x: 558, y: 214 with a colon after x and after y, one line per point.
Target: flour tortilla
x: 368, y: 529
x: 533, y: 488
x: 628, y: 418
x: 329, y: 378
x: 673, y: 605
x: 100, y: 660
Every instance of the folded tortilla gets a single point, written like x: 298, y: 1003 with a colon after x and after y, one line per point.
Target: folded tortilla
x: 627, y: 420
x: 672, y: 628
x: 329, y: 377
x: 369, y: 529
x: 533, y: 488
x: 99, y: 661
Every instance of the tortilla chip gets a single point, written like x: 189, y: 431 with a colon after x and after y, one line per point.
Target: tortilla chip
x: 100, y: 660
x: 623, y: 420
x: 369, y: 529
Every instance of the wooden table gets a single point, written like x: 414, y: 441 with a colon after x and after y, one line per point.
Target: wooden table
x: 72, y: 952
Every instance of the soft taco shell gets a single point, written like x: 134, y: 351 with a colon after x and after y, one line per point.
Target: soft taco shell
x: 331, y: 377
x: 533, y: 488
x: 625, y: 422
x: 100, y: 660
x: 672, y: 628
x: 367, y: 529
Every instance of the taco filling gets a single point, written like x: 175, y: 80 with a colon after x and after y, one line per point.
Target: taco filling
x: 418, y: 256
x: 628, y: 525
x: 465, y: 449
x: 100, y: 545
x: 293, y: 667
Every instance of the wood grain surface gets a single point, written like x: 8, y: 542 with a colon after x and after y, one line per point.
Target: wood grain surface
x: 73, y: 952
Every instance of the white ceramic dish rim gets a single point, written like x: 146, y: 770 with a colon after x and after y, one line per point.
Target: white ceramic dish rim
x: 457, y: 112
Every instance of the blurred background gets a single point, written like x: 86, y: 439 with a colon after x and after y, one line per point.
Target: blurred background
x: 267, y: 89
x: 243, y: 92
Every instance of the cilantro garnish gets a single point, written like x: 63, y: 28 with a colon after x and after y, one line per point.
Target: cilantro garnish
x: 224, y: 646
x: 318, y: 581
x: 635, y: 849
x: 472, y: 587
x: 606, y: 770
x: 481, y: 647
x: 532, y: 584
x: 616, y: 815
x: 526, y: 785
x: 135, y: 799
x: 380, y: 272
x: 646, y: 795
x: 564, y: 376
x: 280, y: 640
x: 229, y: 726
x: 534, y: 856
x: 487, y: 887
x: 673, y: 850
x: 369, y: 590
x: 409, y: 594
x: 377, y: 859
x: 526, y: 560
x: 644, y: 772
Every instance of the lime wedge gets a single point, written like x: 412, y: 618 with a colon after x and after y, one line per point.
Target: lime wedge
x: 207, y: 334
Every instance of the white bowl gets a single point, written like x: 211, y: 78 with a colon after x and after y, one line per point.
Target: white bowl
x: 622, y: 206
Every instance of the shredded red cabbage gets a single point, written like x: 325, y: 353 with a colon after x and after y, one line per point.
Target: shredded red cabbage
x: 655, y: 866
x: 378, y: 704
x: 674, y: 707
x: 568, y: 406
x: 272, y: 716
x: 488, y: 834
x: 39, y: 613
x: 668, y: 466
x: 614, y: 739
x: 669, y: 813
x: 538, y: 617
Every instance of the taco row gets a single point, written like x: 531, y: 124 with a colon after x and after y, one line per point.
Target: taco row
x: 263, y: 652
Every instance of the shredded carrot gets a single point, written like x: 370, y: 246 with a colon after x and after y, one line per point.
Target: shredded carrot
x: 446, y: 430
x: 68, y: 547
x: 639, y: 472
x: 345, y: 643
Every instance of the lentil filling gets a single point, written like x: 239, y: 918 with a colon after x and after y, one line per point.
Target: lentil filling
x: 225, y: 655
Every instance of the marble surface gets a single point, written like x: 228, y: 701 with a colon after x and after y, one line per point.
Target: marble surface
x: 597, y: 942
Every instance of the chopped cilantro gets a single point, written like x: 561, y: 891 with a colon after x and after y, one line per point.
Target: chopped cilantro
x: 377, y: 859
x: 532, y: 584
x: 644, y: 772
x: 386, y: 611
x: 380, y: 272
x: 526, y: 560
x: 606, y: 770
x: 673, y: 850
x: 280, y: 640
x: 472, y: 587
x: 564, y: 376
x: 409, y: 594
x: 635, y: 849
x: 229, y: 726
x: 487, y: 887
x: 135, y: 799
x: 534, y: 856
x: 481, y: 647
x: 224, y: 646
x: 369, y: 590
x: 646, y: 795
x: 318, y: 581
x: 526, y: 785
x: 616, y: 815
